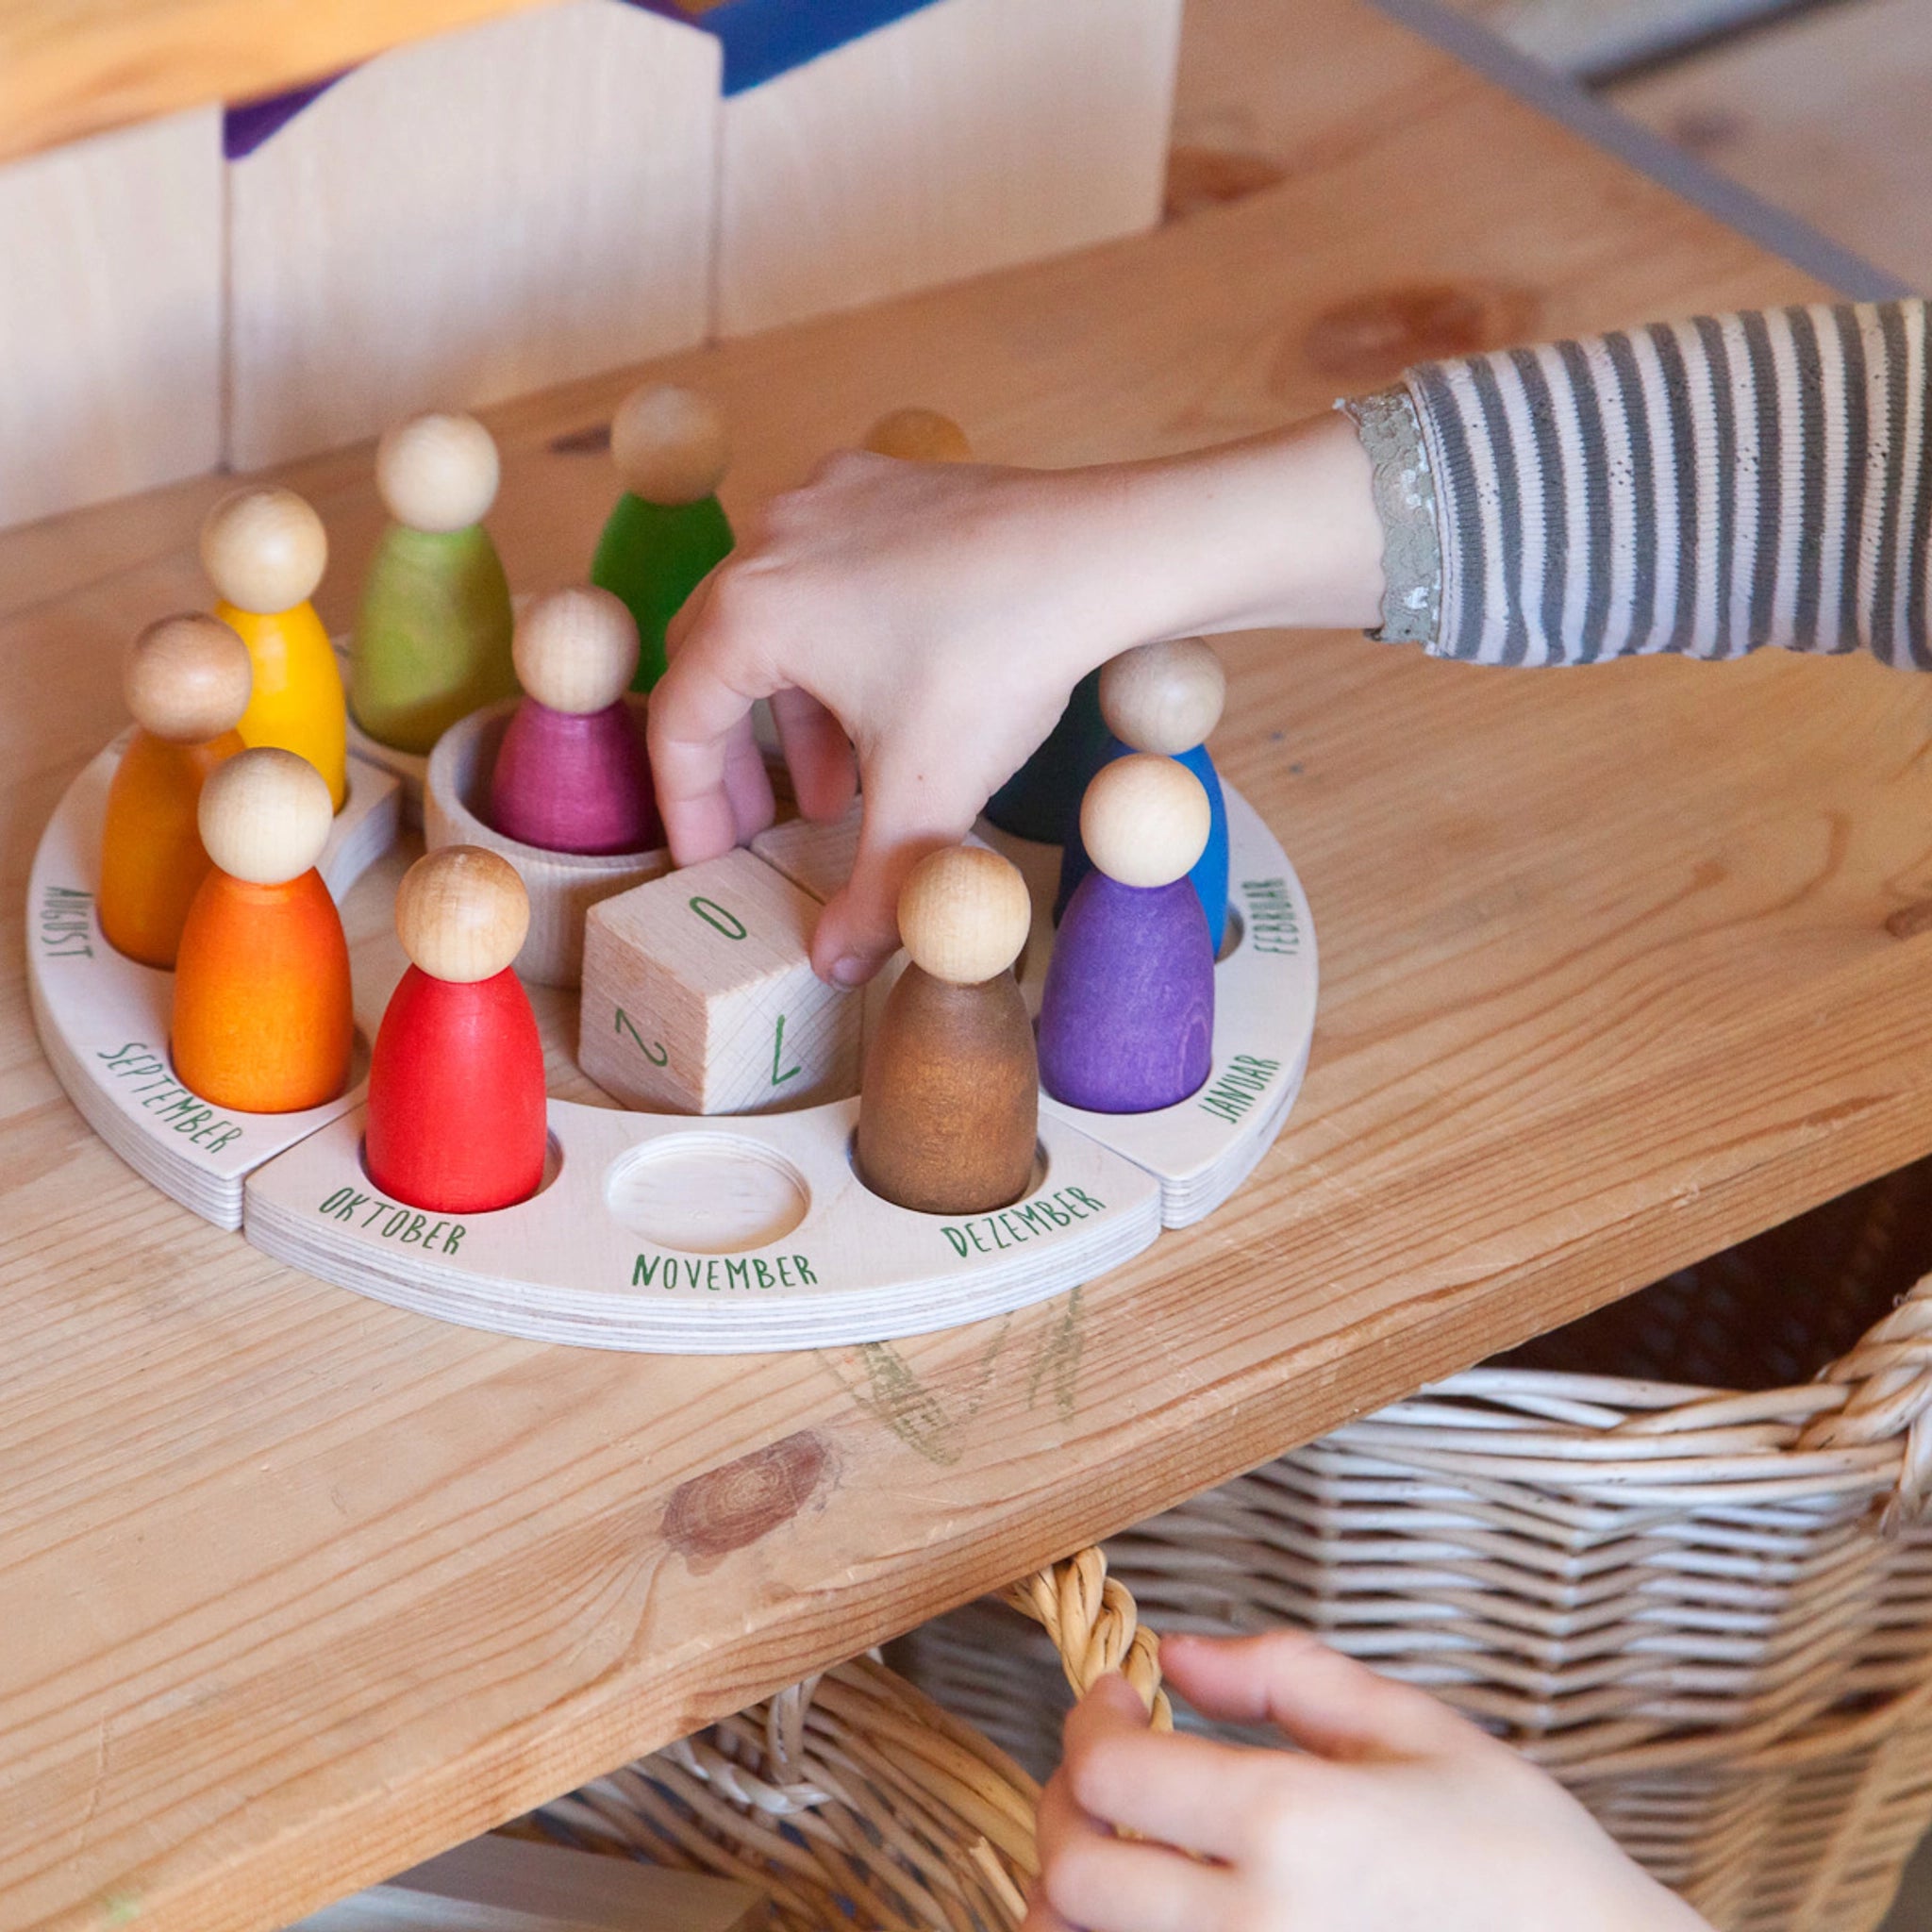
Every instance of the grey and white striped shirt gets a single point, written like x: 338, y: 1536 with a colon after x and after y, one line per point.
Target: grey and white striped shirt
x: 1703, y: 486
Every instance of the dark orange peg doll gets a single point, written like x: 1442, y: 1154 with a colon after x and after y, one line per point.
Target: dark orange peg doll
x: 263, y: 1014
x: 187, y: 681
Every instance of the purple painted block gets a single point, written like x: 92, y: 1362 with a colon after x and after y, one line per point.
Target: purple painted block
x: 245, y: 125
x: 1126, y: 1022
x: 572, y: 782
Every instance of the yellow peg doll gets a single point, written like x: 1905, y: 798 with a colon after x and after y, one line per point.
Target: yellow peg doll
x: 264, y: 551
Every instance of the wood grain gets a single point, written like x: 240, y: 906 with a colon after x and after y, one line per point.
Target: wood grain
x: 295, y: 1588
x: 1592, y: 37
x: 1824, y: 115
x: 74, y: 67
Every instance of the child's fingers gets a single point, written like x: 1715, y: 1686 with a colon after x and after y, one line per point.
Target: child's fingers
x: 1040, y: 1917
x: 1059, y: 1823
x: 1322, y: 1701
x: 908, y: 814
x: 1112, y: 1708
x: 691, y: 614
x: 1111, y: 1884
x: 817, y: 753
x: 1090, y: 1878
x: 696, y: 718
x: 1213, y: 1799
x: 747, y: 784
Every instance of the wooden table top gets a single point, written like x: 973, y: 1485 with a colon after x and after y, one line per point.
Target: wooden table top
x: 1619, y: 966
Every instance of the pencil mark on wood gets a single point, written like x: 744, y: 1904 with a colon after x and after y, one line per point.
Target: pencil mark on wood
x: 736, y: 1504
x: 1059, y: 1361
x: 898, y: 1398
x: 1375, y: 337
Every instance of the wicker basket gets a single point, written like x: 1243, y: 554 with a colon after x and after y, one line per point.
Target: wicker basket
x: 853, y: 1800
x: 1706, y: 1607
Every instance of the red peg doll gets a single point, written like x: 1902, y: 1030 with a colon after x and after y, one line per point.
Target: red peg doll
x: 457, y: 1112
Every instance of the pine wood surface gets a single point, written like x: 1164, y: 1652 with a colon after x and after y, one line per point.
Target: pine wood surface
x: 1822, y: 114
x: 295, y: 1588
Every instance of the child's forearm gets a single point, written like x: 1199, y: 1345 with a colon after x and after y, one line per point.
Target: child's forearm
x: 1278, y: 530
x: 1703, y: 486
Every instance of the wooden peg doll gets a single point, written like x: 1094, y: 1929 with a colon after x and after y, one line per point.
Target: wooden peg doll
x: 571, y: 774
x: 432, y: 639
x: 185, y: 680
x: 457, y: 1109
x: 949, y: 1105
x: 263, y: 1020
x: 1126, y: 1017
x: 668, y: 530
x: 1041, y: 798
x: 264, y: 551
x: 1166, y: 698
x: 919, y: 436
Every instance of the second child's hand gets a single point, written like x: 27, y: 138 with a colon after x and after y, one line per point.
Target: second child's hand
x: 1394, y: 1815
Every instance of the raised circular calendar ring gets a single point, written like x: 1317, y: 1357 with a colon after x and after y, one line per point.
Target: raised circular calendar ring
x: 798, y: 1253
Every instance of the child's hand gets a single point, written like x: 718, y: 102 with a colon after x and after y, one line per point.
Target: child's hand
x: 927, y: 617
x: 1401, y: 1817
x: 931, y: 619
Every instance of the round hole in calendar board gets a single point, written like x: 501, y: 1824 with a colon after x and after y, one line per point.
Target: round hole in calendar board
x: 706, y: 1193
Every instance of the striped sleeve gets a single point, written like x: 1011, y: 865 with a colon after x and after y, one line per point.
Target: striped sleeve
x: 1703, y: 486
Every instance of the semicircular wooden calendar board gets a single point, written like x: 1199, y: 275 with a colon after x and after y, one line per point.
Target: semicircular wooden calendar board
x: 658, y: 1231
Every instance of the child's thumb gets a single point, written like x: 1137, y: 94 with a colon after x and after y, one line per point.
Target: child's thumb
x: 904, y: 820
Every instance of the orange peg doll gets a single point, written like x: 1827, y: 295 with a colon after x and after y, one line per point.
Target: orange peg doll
x: 185, y: 680
x: 263, y: 1019
x: 457, y: 1119
x: 264, y: 551
x: 919, y: 436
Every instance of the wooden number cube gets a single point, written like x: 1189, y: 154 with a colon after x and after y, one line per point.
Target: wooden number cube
x: 699, y: 997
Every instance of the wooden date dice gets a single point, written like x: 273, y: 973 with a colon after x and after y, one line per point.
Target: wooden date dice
x: 699, y: 997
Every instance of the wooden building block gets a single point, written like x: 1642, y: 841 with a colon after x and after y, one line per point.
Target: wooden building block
x: 470, y: 218
x: 699, y: 996
x: 817, y: 858
x: 968, y: 135
x: 110, y: 316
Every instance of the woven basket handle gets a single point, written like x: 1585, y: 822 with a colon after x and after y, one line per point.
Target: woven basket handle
x: 1887, y: 1384
x: 1096, y: 1627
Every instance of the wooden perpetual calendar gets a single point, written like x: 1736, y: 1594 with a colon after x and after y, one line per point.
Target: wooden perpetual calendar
x: 655, y: 1229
